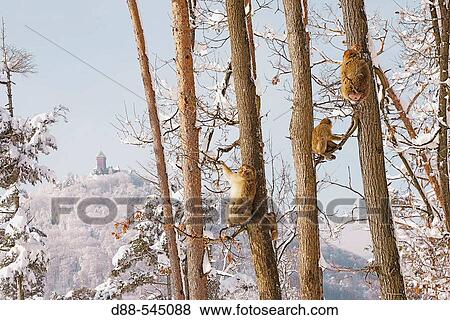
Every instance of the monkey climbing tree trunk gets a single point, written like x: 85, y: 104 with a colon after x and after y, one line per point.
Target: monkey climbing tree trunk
x: 441, y: 30
x: 302, y: 123
x: 251, y: 144
x: 197, y: 280
x: 158, y: 148
x: 372, y: 166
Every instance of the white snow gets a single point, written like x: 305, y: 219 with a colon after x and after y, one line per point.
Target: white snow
x: 207, y: 267
x: 15, y: 224
x: 259, y: 87
x: 120, y: 254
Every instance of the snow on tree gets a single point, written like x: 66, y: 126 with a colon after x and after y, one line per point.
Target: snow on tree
x: 420, y: 216
x: 23, y: 141
x: 23, y: 258
x: 141, y: 265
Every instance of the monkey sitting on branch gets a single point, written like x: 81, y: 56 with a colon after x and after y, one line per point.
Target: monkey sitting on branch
x: 355, y: 75
x: 322, y: 133
x: 322, y: 139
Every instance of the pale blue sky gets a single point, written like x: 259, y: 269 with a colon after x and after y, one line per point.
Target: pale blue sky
x: 100, y: 33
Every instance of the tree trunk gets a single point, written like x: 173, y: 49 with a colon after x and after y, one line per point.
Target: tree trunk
x: 302, y: 124
x: 9, y: 91
x: 189, y: 143
x: 251, y: 145
x: 20, y: 291
x: 186, y: 278
x: 8, y: 81
x: 251, y: 43
x: 442, y: 158
x: 192, y: 5
x: 158, y: 148
x: 372, y: 166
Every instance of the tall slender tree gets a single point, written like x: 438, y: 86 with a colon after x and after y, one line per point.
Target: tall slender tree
x: 182, y: 34
x: 22, y: 255
x: 373, y: 167
x: 158, y: 148
x: 301, y: 134
x: 441, y: 30
x: 251, y: 145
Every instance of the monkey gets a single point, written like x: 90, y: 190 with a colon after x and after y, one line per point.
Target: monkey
x: 322, y: 138
x: 355, y: 76
x: 242, y: 193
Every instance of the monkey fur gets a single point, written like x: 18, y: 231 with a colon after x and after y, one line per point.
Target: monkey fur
x: 242, y: 193
x: 355, y: 76
x: 322, y: 138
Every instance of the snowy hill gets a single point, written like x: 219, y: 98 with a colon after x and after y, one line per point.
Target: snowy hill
x: 81, y: 254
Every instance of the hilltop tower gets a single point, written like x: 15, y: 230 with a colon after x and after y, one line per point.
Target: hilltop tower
x: 101, y: 163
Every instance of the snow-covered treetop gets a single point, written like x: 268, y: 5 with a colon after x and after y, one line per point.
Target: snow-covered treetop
x: 21, y: 143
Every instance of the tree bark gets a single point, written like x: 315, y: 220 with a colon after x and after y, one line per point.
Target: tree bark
x: 8, y: 81
x: 251, y: 43
x: 9, y: 91
x: 251, y: 145
x: 20, y: 291
x: 302, y: 124
x: 189, y: 143
x: 442, y: 158
x: 158, y: 148
x: 373, y: 167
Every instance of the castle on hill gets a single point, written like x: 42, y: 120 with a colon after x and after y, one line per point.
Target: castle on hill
x: 101, y: 167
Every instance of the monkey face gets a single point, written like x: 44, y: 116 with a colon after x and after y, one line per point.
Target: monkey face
x: 353, y: 53
x: 247, y: 172
x: 350, y: 54
x: 357, y: 48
